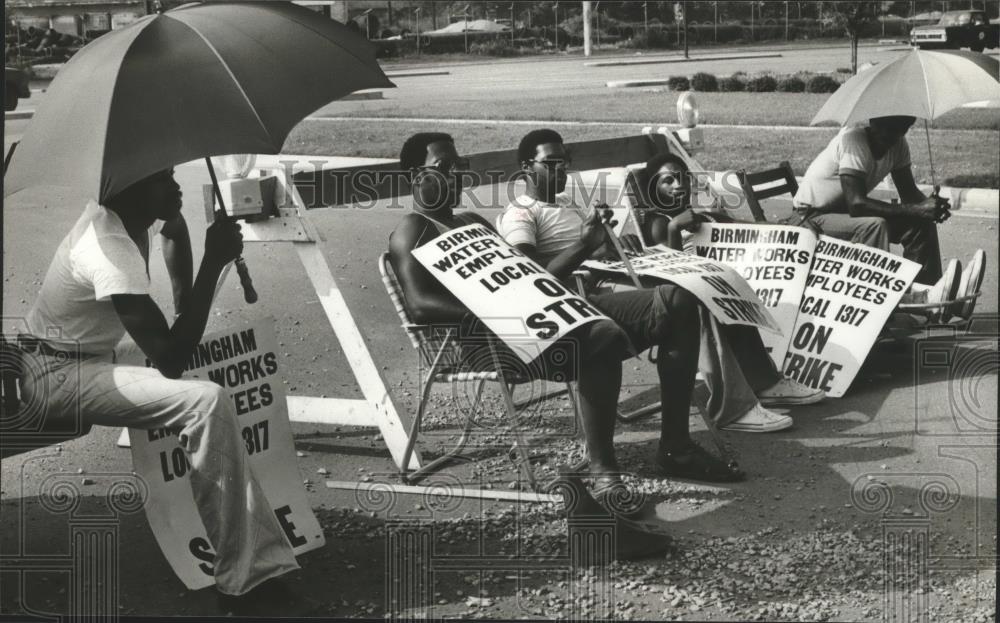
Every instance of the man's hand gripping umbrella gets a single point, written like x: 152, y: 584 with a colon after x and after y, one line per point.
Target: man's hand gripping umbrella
x: 249, y: 293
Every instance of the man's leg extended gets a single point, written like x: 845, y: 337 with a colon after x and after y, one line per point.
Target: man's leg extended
x: 665, y: 316
x: 599, y: 349
x: 919, y: 238
x: 249, y: 544
x: 734, y: 368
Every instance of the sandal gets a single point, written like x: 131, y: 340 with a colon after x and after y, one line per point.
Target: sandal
x: 694, y: 463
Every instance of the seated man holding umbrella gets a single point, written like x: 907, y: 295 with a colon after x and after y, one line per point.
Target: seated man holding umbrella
x: 834, y: 195
x: 95, y: 291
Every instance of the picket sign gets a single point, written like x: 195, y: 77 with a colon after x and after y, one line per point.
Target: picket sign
x: 243, y: 360
x: 512, y: 295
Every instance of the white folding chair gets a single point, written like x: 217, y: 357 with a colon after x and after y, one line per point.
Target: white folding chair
x: 440, y: 351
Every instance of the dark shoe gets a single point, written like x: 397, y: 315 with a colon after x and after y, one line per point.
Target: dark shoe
x: 694, y: 463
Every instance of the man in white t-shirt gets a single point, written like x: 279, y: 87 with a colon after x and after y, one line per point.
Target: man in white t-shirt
x: 834, y: 194
x: 95, y: 291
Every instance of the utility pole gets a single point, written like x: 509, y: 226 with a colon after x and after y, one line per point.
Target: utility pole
x: 388, y: 7
x: 465, y: 29
x: 752, y: 38
x: 786, y: 21
x: 645, y: 17
x: 715, y: 22
x: 555, y: 9
x: 586, y: 28
x: 597, y: 20
x: 417, y: 12
x: 512, y: 25
x: 684, y: 17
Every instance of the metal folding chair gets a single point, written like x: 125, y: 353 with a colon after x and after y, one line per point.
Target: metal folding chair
x: 440, y: 351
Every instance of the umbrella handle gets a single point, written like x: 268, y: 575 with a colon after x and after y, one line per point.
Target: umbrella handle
x: 249, y: 293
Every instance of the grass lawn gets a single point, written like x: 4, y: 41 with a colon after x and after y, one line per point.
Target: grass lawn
x: 965, y: 158
x: 650, y: 106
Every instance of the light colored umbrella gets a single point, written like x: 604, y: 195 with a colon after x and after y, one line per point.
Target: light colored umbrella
x: 923, y: 84
x: 200, y: 80
x: 920, y: 83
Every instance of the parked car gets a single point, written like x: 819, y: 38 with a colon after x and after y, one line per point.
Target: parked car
x: 958, y: 29
x: 15, y: 85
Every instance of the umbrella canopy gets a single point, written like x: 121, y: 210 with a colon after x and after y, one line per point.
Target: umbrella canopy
x: 920, y: 83
x: 199, y: 80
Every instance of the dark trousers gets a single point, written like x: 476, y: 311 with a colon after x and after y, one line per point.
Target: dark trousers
x: 918, y: 237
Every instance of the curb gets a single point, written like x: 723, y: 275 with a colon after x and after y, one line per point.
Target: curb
x: 13, y: 115
x: 28, y: 113
x: 415, y: 74
x: 627, y: 84
x: 693, y: 59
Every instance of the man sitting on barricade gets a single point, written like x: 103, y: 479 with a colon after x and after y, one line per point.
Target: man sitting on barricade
x: 834, y: 193
x: 97, y: 289
x: 601, y: 345
x: 544, y: 224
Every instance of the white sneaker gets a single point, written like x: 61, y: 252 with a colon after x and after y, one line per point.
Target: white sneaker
x: 946, y: 289
x: 970, y: 284
x: 790, y: 392
x: 759, y: 420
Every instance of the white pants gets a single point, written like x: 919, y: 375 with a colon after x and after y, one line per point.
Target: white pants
x: 249, y: 544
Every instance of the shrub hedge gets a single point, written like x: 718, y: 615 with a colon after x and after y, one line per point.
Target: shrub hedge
x: 791, y: 84
x: 732, y: 83
x: 822, y: 84
x: 678, y: 83
x: 702, y: 81
x: 762, y: 84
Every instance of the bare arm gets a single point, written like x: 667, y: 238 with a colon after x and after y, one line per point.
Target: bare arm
x: 178, y: 258
x: 860, y: 204
x: 427, y: 300
x: 593, y: 237
x: 907, y: 186
x: 169, y: 347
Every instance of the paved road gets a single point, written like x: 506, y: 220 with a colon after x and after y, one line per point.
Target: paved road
x: 567, y: 76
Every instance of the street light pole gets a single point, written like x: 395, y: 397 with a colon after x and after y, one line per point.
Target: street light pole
x: 512, y: 25
x: 555, y: 9
x: 417, y: 12
x: 586, y: 28
x: 597, y: 18
x: 645, y: 17
x: 465, y: 29
x: 684, y: 16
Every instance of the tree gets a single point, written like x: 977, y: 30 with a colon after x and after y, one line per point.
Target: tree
x: 852, y: 17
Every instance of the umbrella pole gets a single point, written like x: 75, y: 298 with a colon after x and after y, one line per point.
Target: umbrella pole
x: 249, y: 294
x: 10, y: 154
x: 930, y: 156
